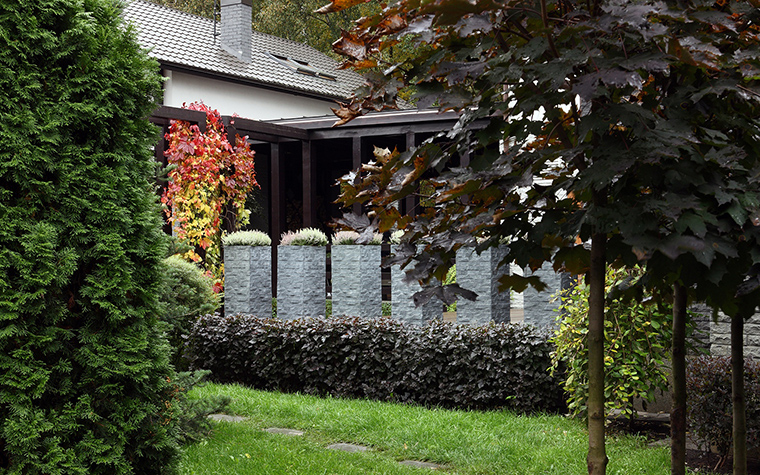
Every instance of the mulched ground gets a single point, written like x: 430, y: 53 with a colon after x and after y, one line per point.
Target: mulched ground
x: 698, y: 461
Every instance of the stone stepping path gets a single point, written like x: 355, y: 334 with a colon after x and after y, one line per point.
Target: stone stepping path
x: 226, y: 418
x: 279, y: 430
x: 350, y: 448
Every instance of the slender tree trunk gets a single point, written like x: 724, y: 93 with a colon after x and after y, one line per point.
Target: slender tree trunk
x: 678, y: 363
x: 737, y: 390
x: 597, y: 456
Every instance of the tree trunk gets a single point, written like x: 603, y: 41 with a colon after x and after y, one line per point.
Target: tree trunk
x: 737, y: 390
x: 678, y: 410
x: 597, y: 456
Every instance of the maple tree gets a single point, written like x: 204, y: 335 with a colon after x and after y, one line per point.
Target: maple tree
x: 629, y: 125
x: 209, y: 179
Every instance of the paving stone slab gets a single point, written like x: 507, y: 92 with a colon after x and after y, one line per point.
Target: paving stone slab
x: 348, y: 447
x: 417, y: 464
x: 226, y: 418
x: 280, y: 430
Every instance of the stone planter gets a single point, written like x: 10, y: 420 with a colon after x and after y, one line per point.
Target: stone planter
x: 301, y: 288
x: 402, y: 303
x: 540, y: 308
x: 356, y: 281
x: 248, y: 280
x: 480, y: 273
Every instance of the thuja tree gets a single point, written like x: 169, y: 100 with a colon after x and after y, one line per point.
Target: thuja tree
x: 639, y: 118
x: 85, y: 385
x: 209, y: 179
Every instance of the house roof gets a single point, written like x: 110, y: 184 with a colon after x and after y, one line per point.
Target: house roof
x: 187, y: 41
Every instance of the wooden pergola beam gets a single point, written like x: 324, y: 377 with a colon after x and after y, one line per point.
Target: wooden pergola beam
x: 164, y: 114
x: 265, y: 131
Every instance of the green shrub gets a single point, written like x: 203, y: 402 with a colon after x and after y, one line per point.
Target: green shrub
x: 493, y: 366
x: 304, y: 237
x: 451, y: 278
x: 247, y: 238
x: 708, y: 401
x: 186, y: 294
x: 84, y: 363
x: 191, y: 415
x: 637, y: 340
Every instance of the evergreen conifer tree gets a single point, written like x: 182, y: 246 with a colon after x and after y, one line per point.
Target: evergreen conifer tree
x: 86, y: 384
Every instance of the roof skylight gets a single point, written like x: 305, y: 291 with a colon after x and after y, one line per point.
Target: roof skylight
x: 301, y: 67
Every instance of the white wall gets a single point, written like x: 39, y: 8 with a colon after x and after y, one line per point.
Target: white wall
x: 246, y: 101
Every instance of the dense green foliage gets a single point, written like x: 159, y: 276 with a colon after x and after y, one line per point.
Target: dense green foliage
x: 708, y: 382
x: 637, y: 339
x: 186, y: 294
x: 438, y: 365
x: 82, y: 353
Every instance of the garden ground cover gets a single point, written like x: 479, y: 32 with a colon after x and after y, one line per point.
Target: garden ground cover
x: 464, y: 442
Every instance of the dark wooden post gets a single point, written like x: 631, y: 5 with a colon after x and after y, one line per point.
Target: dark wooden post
x: 356, y: 154
x: 277, y: 201
x: 309, y: 185
x: 410, y: 202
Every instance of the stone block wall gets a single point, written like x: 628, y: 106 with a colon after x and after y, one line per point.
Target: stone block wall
x: 480, y: 273
x: 248, y: 280
x: 356, y: 281
x: 540, y: 308
x: 720, y: 337
x: 402, y: 303
x: 301, y: 285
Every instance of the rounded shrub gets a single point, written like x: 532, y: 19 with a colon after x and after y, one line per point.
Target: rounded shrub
x: 247, y: 238
x: 637, y: 340
x: 186, y: 294
x: 86, y: 385
x: 709, y: 409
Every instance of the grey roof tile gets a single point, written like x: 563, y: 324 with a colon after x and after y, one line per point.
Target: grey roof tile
x: 187, y: 40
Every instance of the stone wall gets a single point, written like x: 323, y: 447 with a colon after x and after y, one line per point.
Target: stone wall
x: 720, y: 337
x: 301, y: 286
x: 480, y: 273
x: 540, y: 308
x: 356, y: 281
x: 403, y: 308
x: 248, y: 280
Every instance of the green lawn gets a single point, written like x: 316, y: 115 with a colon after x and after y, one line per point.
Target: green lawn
x: 471, y: 443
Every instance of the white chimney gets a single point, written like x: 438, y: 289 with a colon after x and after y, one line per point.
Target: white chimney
x: 236, y: 28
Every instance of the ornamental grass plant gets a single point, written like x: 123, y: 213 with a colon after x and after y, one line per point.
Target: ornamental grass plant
x: 346, y: 238
x: 304, y: 237
x: 247, y: 238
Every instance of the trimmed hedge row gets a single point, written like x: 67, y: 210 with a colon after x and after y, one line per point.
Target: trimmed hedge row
x: 441, y: 364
